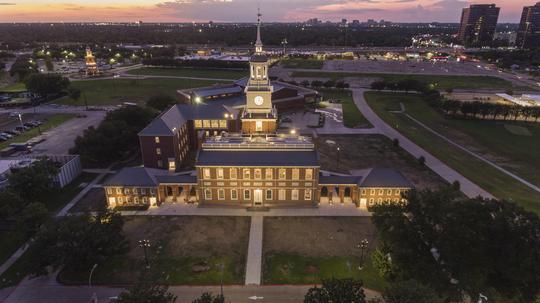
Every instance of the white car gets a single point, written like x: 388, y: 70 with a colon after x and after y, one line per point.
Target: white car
x: 14, y: 114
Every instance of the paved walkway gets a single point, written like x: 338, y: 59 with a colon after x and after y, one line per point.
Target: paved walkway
x: 254, y: 254
x: 514, y: 176
x: 467, y: 187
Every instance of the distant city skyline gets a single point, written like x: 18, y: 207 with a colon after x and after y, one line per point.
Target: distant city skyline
x: 244, y: 10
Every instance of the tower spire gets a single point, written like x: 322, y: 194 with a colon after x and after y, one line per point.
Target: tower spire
x: 258, y: 43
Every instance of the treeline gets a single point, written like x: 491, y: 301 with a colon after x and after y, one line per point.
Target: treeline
x: 505, y: 59
x: 485, y: 110
x: 319, y: 84
x: 23, y: 35
x: 210, y: 63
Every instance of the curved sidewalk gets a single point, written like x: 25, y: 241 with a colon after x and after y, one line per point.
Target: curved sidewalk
x: 467, y: 187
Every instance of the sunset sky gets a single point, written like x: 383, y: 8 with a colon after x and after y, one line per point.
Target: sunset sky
x: 244, y: 10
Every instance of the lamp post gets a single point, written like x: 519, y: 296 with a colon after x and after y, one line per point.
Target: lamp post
x: 363, y: 245
x: 145, y: 244
x: 94, y: 298
x: 337, y: 158
x: 20, y: 120
x: 284, y: 42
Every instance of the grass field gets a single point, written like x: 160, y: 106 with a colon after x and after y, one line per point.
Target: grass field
x: 116, y: 91
x: 304, y: 250
x: 487, y: 135
x: 352, y: 117
x: 191, y: 72
x: 439, y: 81
x: 302, y: 63
x: 52, y: 122
x: 13, y: 88
x: 184, y: 250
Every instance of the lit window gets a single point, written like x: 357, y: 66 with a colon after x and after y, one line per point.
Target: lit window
x: 258, y: 174
x: 134, y: 191
x: 160, y: 163
x: 143, y: 191
x: 397, y: 192
x: 295, y: 174
x: 156, y: 139
x: 136, y: 200
x: 372, y: 191
x: 269, y: 174
x: 281, y: 194
x: 379, y: 200
x: 268, y: 194
x: 207, y: 194
x: 309, y: 174
x: 307, y: 194
x: 126, y: 191
x: 233, y: 172
x: 247, y: 173
x: 381, y: 192
x: 282, y: 174
x: 206, y: 123
x: 198, y: 124
x: 222, y: 123
x: 152, y: 191
x: 220, y: 173
x: 206, y: 173
x: 172, y: 164
x: 389, y: 192
x: 234, y: 194
x: 118, y: 191
x: 247, y: 194
x: 364, y: 192
x: 221, y: 194
x: 294, y: 194
x: 158, y: 151
x: 109, y: 191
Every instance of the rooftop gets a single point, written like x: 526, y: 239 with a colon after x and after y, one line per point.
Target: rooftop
x: 239, y: 142
x: 257, y: 158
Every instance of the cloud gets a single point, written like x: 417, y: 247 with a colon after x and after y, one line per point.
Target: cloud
x: 7, y: 3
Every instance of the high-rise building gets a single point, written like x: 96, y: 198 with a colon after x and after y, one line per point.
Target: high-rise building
x: 529, y: 27
x: 478, y: 24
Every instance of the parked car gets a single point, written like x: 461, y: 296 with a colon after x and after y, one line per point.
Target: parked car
x: 2, y: 138
x: 4, y: 134
x: 29, y: 125
x: 14, y: 114
x: 14, y: 132
x: 22, y: 128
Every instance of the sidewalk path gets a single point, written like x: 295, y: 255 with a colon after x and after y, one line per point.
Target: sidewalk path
x: 254, y: 255
x: 467, y: 187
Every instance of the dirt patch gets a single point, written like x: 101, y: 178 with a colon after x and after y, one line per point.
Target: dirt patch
x: 317, y: 236
x: 359, y: 152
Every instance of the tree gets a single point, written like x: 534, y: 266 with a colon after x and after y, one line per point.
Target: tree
x: 33, y: 183
x: 304, y: 83
x: 421, y: 160
x: 46, y: 84
x: 383, y: 263
x: 337, y: 291
x: 329, y: 84
x: 409, y: 291
x: 11, y: 203
x: 74, y: 93
x: 209, y: 298
x: 32, y: 217
x: 316, y: 83
x: 378, y: 85
x: 160, y: 102
x: 457, y: 245
x: 77, y: 242
x: 144, y: 292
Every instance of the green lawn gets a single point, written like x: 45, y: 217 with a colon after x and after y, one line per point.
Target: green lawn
x: 52, y: 121
x: 302, y: 63
x: 13, y: 88
x: 116, y: 91
x: 487, y: 177
x: 191, y: 72
x: 352, y: 117
x: 295, y: 269
x: 440, y: 81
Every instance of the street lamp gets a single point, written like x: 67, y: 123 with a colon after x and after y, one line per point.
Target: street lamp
x: 145, y: 244
x: 20, y: 120
x: 337, y: 158
x: 94, y: 298
x: 363, y: 245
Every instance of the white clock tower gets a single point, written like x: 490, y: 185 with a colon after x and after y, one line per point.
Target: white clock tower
x: 259, y: 114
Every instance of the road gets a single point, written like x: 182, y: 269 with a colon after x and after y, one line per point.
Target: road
x: 467, y: 187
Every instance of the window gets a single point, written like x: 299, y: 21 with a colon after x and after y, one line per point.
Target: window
x: 206, y: 173
x: 281, y: 194
x: 221, y: 194
x: 206, y: 123
x: 268, y: 194
x: 397, y: 192
x: 258, y: 126
x: 136, y: 200
x: 145, y: 200
x: 363, y: 191
x: 118, y: 191
x: 109, y: 191
x: 258, y: 174
x: 198, y: 124
x: 379, y: 200
x: 207, y: 194
x: 126, y: 191
x: 156, y: 139
x: 309, y: 174
x: 120, y: 200
x: 158, y: 151
x: 214, y: 123
x: 381, y: 192
x: 172, y: 164
x: 233, y: 172
x: 396, y: 199
x: 134, y: 191
x: 372, y: 192
x: 143, y: 191
x: 295, y: 174
x: 247, y: 194
x: 307, y: 194
x: 220, y: 173
x: 222, y: 123
x: 282, y: 174
x: 234, y: 194
x: 294, y: 194
x: 159, y: 163
x: 268, y: 174
x: 389, y: 192
x: 152, y: 191
x: 247, y: 173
